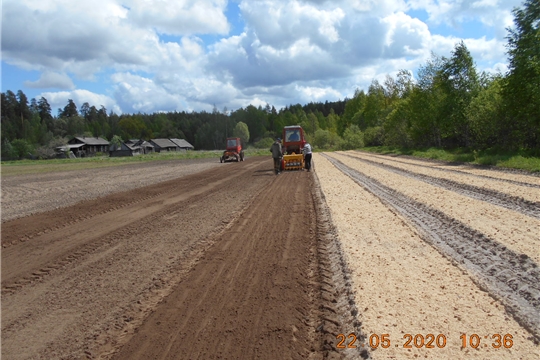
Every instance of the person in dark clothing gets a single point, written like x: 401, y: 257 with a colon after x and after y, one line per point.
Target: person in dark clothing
x: 307, y: 156
x: 277, y: 154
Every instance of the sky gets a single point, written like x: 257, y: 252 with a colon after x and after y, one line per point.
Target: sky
x: 150, y: 56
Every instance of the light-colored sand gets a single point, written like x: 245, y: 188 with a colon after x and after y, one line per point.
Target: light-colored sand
x: 404, y: 286
x: 516, y: 231
x: 501, y: 174
x: 527, y: 193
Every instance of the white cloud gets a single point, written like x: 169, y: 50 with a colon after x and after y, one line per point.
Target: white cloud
x: 495, y: 14
x: 288, y: 51
x: 180, y: 17
x: 58, y: 100
x: 135, y: 93
x: 51, y: 80
x: 406, y: 36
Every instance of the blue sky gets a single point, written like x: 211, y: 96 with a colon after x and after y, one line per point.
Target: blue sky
x: 189, y: 55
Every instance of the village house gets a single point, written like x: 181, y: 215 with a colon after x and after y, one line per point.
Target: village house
x: 182, y: 144
x: 146, y: 147
x: 82, y: 146
x: 124, y: 150
x: 163, y: 145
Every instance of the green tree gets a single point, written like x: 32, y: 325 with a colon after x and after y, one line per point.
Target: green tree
x: 353, y: 138
x: 374, y: 109
x: 241, y: 130
x: 116, y: 142
x: 459, y: 81
x: 374, y: 136
x: 21, y: 148
x: 396, y: 126
x: 7, y: 150
x: 45, y: 113
x: 485, y: 116
x: 70, y: 110
x: 325, y: 139
x: 48, y: 151
x: 11, y: 124
x: 131, y: 127
x: 353, y: 108
x: 521, y: 91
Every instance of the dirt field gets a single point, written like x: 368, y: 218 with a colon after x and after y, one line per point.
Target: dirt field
x: 201, y: 260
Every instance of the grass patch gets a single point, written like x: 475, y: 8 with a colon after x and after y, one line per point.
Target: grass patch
x: 23, y: 167
x: 521, y: 159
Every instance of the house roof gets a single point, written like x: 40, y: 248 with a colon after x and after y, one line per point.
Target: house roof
x: 68, y: 147
x: 132, y: 147
x: 143, y: 143
x: 163, y: 143
x: 182, y: 143
x: 91, y: 140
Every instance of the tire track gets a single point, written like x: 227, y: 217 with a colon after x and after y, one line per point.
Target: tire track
x: 129, y: 217
x: 510, y: 202
x: 511, y: 277
x: 515, y: 182
x: 338, y: 310
x: 99, y: 296
x: 42, y: 224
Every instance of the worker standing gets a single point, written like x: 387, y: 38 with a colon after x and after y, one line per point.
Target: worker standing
x: 307, y: 156
x: 277, y: 154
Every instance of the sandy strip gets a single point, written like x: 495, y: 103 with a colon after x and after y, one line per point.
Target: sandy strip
x: 518, y: 232
x: 527, y: 193
x: 404, y: 286
x: 507, y: 175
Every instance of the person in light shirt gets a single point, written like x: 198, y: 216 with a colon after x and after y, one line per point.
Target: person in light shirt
x: 307, y: 156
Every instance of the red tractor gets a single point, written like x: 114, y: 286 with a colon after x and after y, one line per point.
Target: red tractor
x: 233, y: 151
x: 293, y: 144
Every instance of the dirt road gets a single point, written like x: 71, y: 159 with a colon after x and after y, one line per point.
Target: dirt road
x: 207, y: 260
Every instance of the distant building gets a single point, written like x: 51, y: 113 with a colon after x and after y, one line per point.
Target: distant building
x: 86, y: 146
x: 163, y: 145
x: 146, y: 147
x: 124, y: 150
x: 182, y: 144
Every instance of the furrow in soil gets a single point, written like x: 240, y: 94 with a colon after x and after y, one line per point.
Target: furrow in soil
x: 509, y: 176
x: 511, y: 277
x: 529, y: 208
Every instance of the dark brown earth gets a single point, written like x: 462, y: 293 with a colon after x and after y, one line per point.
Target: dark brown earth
x: 197, y: 259
x: 250, y: 295
x: 224, y: 263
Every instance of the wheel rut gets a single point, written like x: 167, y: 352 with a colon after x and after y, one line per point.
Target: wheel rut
x: 511, y: 277
x: 438, y: 162
x: 36, y: 256
x: 515, y: 203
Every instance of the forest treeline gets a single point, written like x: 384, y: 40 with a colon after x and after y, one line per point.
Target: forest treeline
x: 447, y: 104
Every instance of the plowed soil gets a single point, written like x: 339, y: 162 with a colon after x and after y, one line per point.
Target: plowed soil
x: 201, y: 260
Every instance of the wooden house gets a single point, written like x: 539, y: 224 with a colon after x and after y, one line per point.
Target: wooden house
x: 163, y: 145
x: 182, y: 144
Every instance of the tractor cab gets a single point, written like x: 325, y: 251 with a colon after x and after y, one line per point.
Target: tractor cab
x: 233, y: 151
x: 233, y: 144
x: 293, y: 144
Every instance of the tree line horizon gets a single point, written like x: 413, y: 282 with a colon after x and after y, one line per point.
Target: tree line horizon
x: 449, y: 105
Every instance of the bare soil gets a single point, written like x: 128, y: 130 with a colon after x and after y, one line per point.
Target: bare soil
x: 196, y: 259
